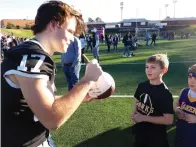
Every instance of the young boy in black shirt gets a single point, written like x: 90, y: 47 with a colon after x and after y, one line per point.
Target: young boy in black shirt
x: 153, y: 109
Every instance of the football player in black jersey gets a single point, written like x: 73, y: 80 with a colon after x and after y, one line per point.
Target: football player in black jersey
x: 28, y: 104
x: 153, y: 109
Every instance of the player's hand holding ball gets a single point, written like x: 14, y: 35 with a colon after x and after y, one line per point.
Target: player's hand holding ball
x: 93, y: 71
x: 104, y: 85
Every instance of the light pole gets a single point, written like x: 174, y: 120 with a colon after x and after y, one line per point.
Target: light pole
x: 166, y: 5
x: 159, y: 13
x: 136, y: 29
x: 174, y: 1
x: 121, y: 9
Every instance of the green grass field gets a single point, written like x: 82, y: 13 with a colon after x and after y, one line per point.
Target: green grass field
x: 18, y: 32
x: 106, y: 123
x: 128, y: 72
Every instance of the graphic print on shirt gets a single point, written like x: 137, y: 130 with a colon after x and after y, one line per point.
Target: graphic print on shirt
x: 187, y: 102
x: 144, y: 105
x: 188, y: 108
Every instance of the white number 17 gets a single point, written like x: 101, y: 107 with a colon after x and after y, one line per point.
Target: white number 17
x: 37, y: 66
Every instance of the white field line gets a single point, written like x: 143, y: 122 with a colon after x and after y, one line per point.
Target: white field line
x: 127, y: 96
x: 132, y: 96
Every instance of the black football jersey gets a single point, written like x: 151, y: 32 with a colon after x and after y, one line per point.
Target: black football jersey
x: 153, y: 100
x: 19, y: 125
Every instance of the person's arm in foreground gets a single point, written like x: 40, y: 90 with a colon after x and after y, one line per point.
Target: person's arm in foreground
x: 51, y: 112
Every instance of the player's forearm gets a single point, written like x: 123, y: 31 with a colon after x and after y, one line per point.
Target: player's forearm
x: 159, y: 120
x: 66, y: 105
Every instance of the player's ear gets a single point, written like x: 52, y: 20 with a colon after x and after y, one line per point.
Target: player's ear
x: 52, y: 25
x: 165, y: 69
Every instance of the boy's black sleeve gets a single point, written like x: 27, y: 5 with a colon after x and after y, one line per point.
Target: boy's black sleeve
x: 166, y: 103
x: 137, y: 92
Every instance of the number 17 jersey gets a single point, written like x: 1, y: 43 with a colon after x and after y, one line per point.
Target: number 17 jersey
x: 19, y: 125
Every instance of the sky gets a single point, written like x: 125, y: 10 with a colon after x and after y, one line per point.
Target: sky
x: 107, y: 10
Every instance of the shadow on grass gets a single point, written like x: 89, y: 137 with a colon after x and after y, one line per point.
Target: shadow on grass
x: 112, y: 138
x: 122, y: 138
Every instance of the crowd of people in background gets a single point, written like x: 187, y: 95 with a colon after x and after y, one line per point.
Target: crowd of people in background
x: 111, y: 41
x: 8, y: 41
x: 87, y: 41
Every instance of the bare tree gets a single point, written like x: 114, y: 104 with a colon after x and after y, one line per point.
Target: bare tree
x: 98, y: 19
x: 90, y: 19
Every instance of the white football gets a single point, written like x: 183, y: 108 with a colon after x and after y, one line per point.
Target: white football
x: 103, y: 88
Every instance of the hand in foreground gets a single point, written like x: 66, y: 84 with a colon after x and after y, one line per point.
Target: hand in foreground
x: 132, y: 115
x: 93, y: 71
x: 190, y: 118
x: 180, y: 114
x: 137, y: 117
x: 88, y: 98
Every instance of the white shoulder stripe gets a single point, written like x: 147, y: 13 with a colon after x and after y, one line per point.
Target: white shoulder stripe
x: 27, y: 75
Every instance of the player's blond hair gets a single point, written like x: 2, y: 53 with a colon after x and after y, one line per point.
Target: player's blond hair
x: 161, y: 59
x: 192, y: 68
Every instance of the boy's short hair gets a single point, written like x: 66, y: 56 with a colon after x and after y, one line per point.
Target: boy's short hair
x: 160, y: 59
x: 192, y: 68
x: 57, y: 11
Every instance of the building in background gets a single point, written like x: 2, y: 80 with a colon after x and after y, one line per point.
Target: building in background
x: 126, y: 25
x: 17, y: 23
x: 177, y: 23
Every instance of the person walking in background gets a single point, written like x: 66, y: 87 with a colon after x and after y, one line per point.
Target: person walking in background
x: 133, y: 45
x: 95, y: 42
x: 82, y: 40
x: 154, y: 36
x: 89, y: 42
x: 147, y: 37
x: 127, y: 43
x: 115, y: 43
x: 108, y: 40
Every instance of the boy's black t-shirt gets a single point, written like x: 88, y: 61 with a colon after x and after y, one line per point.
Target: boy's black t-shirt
x: 154, y: 100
